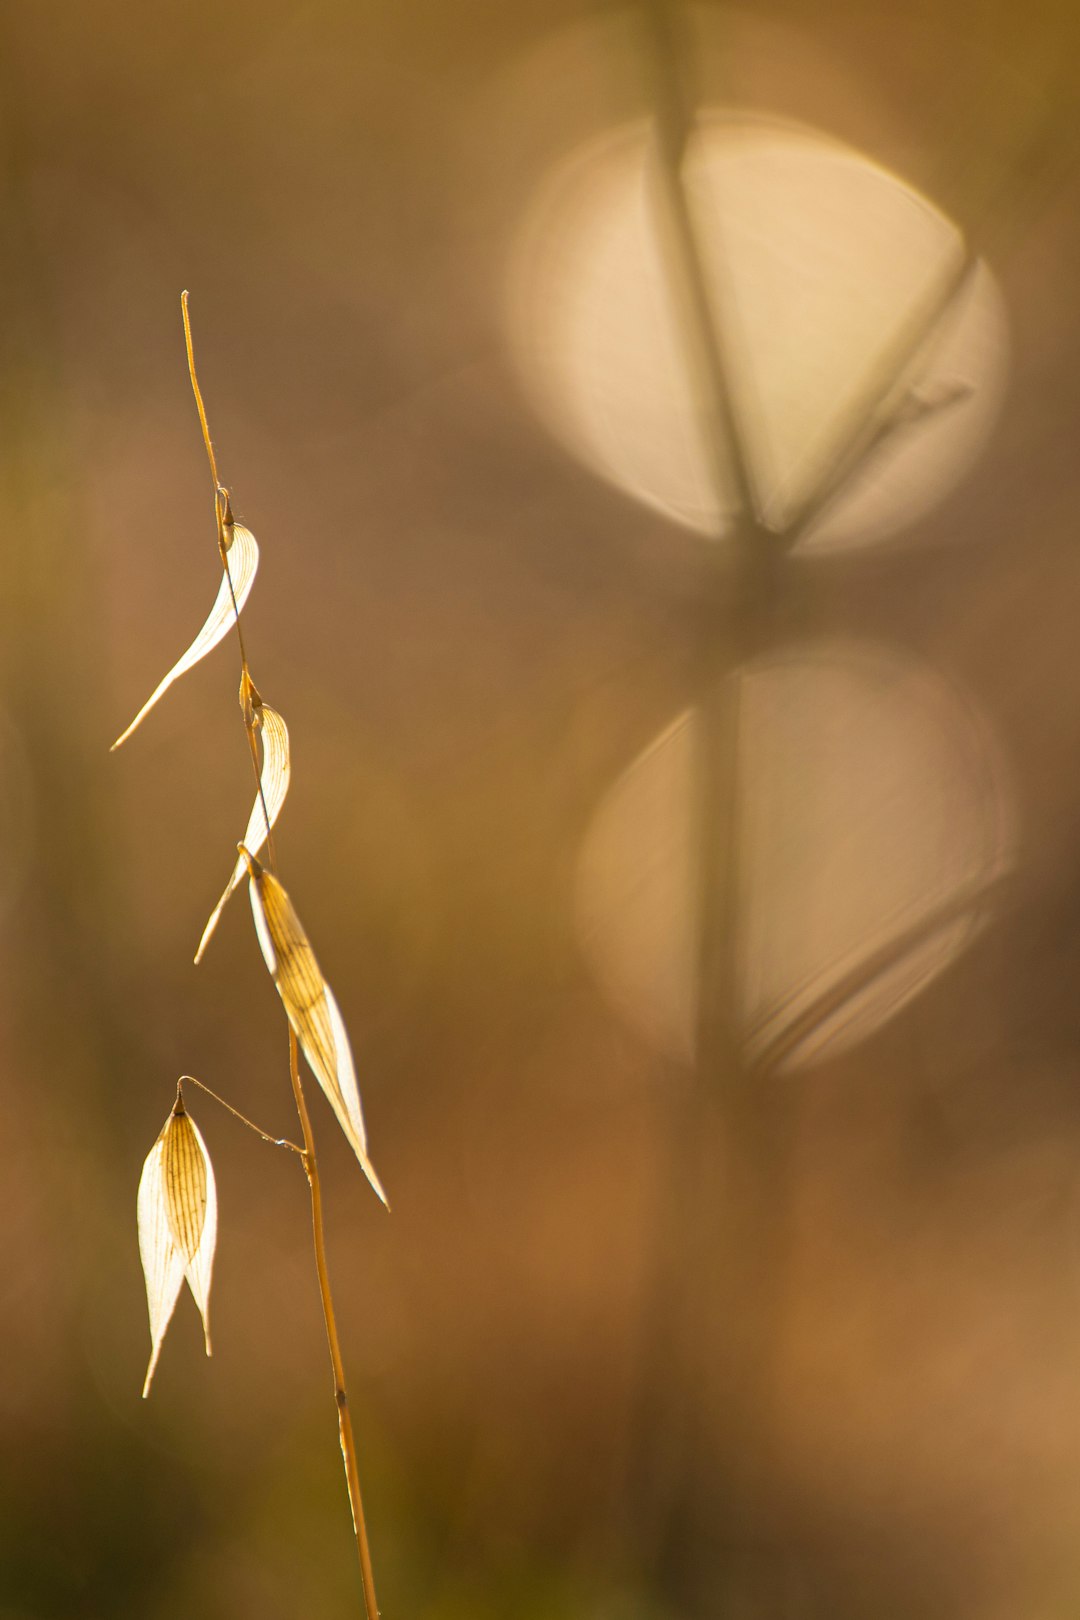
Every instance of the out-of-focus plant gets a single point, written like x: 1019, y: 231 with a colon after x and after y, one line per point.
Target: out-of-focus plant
x: 177, y: 1204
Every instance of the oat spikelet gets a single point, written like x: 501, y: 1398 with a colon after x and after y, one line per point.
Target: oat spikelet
x: 310, y: 1005
x: 273, y: 786
x: 177, y: 1214
x: 240, y: 561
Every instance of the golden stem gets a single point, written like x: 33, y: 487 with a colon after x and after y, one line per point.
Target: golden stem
x: 222, y: 511
x: 345, y: 1428
x: 275, y: 1141
x: 198, y: 393
x: 249, y: 727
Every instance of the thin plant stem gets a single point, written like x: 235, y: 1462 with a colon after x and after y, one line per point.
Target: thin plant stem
x: 341, y: 1399
x: 198, y: 391
x: 223, y: 515
x: 222, y: 508
x: 724, y: 434
x: 274, y: 1141
x: 307, y: 1153
x: 871, y: 419
x: 249, y: 728
x: 708, y: 1114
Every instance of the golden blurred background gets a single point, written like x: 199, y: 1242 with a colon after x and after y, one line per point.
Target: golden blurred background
x: 796, y: 1338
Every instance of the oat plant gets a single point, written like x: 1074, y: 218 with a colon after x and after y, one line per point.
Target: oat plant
x: 177, y: 1202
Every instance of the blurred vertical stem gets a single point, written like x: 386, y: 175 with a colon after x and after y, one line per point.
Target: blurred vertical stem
x: 717, y: 1115
x: 722, y: 1108
x: 223, y: 515
x: 723, y: 434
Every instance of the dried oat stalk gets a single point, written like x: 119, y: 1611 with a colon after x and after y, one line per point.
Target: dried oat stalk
x: 177, y: 1204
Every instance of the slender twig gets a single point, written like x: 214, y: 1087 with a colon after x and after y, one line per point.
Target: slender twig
x: 222, y: 507
x: 870, y: 420
x: 198, y: 391
x: 249, y: 695
x: 724, y: 436
x: 709, y: 1114
x: 274, y: 1141
x: 250, y: 706
x: 224, y: 518
x: 341, y: 1399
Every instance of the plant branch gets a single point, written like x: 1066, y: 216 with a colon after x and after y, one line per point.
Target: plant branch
x: 709, y: 1118
x: 275, y: 1141
x: 341, y: 1399
x: 869, y: 422
x: 249, y: 696
x: 198, y: 394
x: 247, y: 687
x: 723, y: 434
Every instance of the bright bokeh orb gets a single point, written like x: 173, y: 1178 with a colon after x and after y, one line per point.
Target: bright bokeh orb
x: 818, y: 262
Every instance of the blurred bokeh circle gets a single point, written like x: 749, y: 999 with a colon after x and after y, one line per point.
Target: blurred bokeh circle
x: 818, y: 261
x: 871, y: 820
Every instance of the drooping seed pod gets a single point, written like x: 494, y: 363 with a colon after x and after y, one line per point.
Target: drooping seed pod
x: 310, y: 1006
x: 177, y: 1214
x: 240, y: 560
x: 273, y: 786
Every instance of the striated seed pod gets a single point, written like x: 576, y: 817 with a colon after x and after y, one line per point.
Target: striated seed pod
x: 310, y: 1006
x: 273, y: 786
x: 240, y: 560
x: 177, y: 1216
